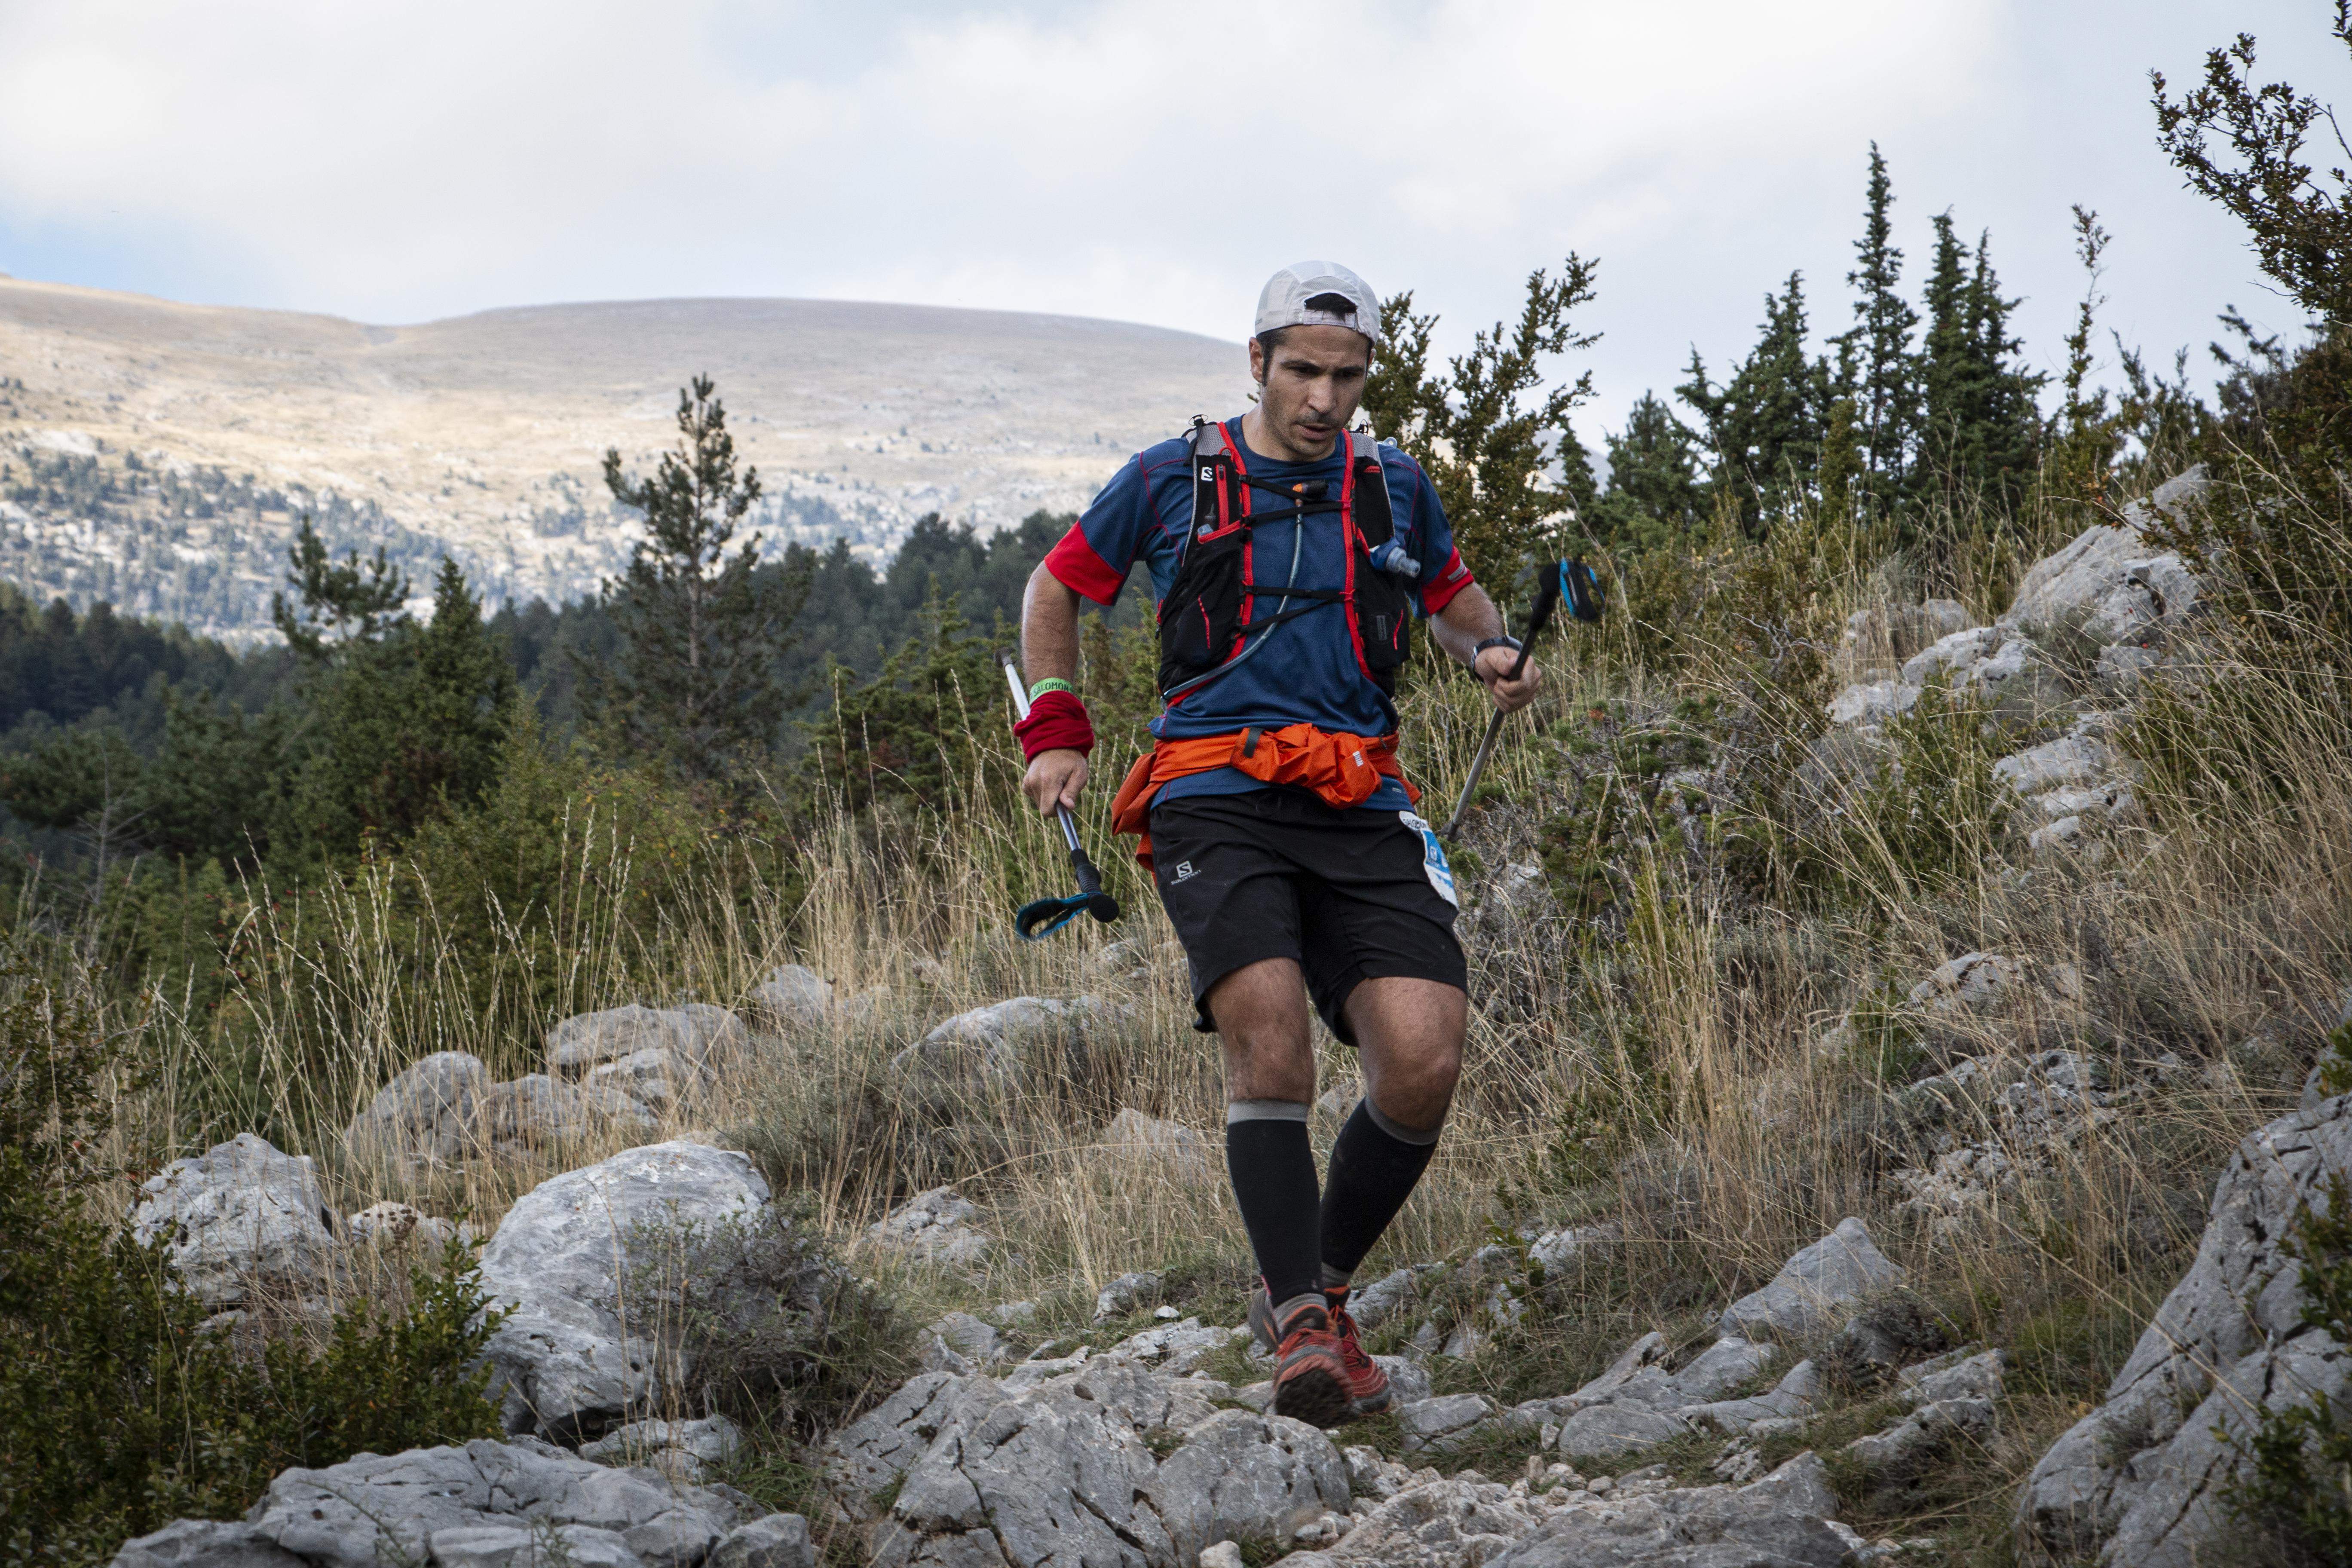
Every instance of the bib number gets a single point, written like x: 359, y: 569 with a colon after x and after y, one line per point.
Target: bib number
x: 1433, y: 858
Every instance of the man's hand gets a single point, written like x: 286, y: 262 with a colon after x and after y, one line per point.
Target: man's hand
x: 1494, y: 667
x: 1054, y: 779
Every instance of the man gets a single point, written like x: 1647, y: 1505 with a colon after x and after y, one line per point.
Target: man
x: 1288, y: 558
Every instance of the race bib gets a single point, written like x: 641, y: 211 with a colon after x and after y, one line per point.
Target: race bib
x: 1433, y: 858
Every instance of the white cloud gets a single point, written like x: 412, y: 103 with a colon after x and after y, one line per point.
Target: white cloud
x: 1124, y: 158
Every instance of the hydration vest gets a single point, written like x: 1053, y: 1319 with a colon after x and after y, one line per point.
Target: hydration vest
x: 1210, y: 619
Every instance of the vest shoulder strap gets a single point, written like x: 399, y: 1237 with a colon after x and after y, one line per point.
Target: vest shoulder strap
x: 1375, y: 518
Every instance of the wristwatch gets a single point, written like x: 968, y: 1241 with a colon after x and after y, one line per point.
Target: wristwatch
x: 1512, y: 643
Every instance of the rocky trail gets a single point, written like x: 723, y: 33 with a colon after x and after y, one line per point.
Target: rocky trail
x: 1152, y: 1447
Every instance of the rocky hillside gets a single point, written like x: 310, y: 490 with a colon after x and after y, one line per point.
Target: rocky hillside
x: 1904, y: 1111
x: 157, y: 455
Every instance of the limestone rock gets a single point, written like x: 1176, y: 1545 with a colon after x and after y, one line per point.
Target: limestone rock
x: 2107, y: 587
x: 537, y: 1116
x: 1384, y: 1298
x: 2142, y: 1479
x: 779, y: 1541
x: 1148, y: 1143
x: 429, y: 1114
x: 699, y: 1036
x: 574, y: 1356
x: 389, y: 1224
x: 992, y: 1050
x: 251, y: 1220
x: 1605, y: 1431
x: 1970, y: 983
x: 870, y: 1453
x: 678, y: 1448
x: 1176, y: 1347
x: 1446, y: 1421
x: 1061, y: 1472
x: 485, y: 1503
x: 968, y: 1337
x: 2073, y: 761
x: 1810, y: 1294
x: 795, y: 997
x: 1872, y: 702
x: 1126, y: 1294
x: 935, y: 1226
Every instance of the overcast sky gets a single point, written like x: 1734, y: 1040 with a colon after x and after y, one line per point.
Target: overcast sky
x: 404, y: 159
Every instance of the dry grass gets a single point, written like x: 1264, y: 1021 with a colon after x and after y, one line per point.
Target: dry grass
x: 1678, y: 1062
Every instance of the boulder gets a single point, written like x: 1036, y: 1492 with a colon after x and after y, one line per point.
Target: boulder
x: 2144, y: 1480
x: 1384, y: 1298
x: 2074, y: 760
x: 968, y: 1337
x: 993, y: 1050
x: 1177, y: 1347
x: 678, y: 1448
x: 699, y: 1036
x: 1170, y: 1147
x: 779, y: 1541
x: 428, y: 1114
x: 485, y: 1503
x: 1446, y: 1421
x: 795, y: 997
x: 1128, y: 1293
x: 538, y: 1117
x: 935, y: 1226
x: 1872, y: 702
x: 249, y: 1221
x: 389, y: 1224
x: 2107, y: 587
x: 1061, y: 1471
x: 1968, y: 984
x: 1777, y: 1522
x: 1811, y: 1293
x: 574, y: 1258
x: 1605, y: 1431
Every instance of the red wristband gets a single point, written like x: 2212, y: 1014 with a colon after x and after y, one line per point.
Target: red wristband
x: 1057, y: 721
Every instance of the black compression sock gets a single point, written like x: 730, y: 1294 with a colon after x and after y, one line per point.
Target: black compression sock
x: 1273, y: 1167
x: 1373, y: 1170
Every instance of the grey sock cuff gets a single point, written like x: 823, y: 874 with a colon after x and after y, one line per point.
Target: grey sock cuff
x: 1265, y: 1111
x: 1336, y: 1279
x: 1403, y: 1134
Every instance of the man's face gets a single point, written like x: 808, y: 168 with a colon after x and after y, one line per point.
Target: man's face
x: 1311, y: 384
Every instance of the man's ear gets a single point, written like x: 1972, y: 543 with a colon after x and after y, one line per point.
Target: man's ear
x: 1257, y: 362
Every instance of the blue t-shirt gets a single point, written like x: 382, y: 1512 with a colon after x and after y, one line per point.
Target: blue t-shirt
x: 1307, y: 671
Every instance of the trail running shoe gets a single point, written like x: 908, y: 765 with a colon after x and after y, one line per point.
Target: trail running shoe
x: 1310, y: 1374
x: 1367, y: 1386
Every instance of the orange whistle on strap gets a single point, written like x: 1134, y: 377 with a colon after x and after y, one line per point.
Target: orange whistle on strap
x: 1342, y: 770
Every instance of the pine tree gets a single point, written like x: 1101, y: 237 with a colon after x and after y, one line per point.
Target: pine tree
x: 407, y: 727
x: 1493, y: 437
x: 341, y: 605
x: 1655, y: 496
x: 1982, y: 428
x: 1886, y: 388
x: 701, y: 629
x: 1766, y: 424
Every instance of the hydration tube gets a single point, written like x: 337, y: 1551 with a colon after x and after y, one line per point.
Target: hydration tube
x: 1176, y: 694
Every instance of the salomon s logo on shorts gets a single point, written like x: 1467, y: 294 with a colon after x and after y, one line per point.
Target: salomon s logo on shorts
x: 1433, y: 858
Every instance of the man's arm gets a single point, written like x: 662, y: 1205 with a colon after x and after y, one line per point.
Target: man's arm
x: 1469, y: 619
x: 1049, y: 650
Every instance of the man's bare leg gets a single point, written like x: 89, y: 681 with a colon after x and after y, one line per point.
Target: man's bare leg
x: 1409, y: 1037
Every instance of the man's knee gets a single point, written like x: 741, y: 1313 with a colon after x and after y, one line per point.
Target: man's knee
x: 1408, y: 1034
x: 1260, y: 1011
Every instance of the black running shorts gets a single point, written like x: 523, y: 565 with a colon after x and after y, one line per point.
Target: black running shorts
x: 1275, y: 873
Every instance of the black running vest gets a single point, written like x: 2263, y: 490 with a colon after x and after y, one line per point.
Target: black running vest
x: 1209, y: 611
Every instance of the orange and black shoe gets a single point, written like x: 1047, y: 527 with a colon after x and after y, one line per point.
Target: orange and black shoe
x: 1368, y: 1386
x: 1365, y: 1385
x: 1310, y: 1374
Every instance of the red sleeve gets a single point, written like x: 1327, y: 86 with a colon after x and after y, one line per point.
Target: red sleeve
x: 1076, y: 566
x: 1439, y: 591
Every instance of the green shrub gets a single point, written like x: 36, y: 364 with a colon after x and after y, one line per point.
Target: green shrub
x: 120, y: 1410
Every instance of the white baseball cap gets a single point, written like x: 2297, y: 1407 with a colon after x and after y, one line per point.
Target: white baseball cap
x: 1318, y: 294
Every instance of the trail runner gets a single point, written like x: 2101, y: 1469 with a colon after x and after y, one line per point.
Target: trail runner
x: 1289, y: 559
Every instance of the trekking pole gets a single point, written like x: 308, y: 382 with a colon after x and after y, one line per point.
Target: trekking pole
x: 1582, y: 587
x: 1053, y: 914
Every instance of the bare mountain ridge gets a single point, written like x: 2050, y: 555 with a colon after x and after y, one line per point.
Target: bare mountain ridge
x: 158, y: 455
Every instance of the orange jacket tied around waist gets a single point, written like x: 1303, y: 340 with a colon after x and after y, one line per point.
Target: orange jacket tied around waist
x: 1342, y: 770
